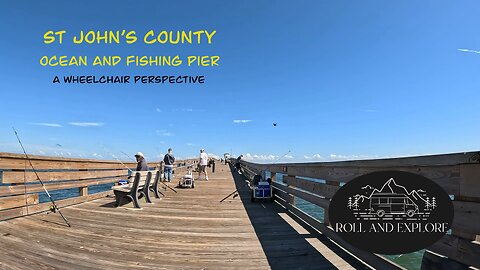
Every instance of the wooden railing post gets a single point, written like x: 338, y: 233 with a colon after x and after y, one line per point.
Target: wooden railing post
x: 291, y: 198
x: 326, y: 218
x: 83, y: 191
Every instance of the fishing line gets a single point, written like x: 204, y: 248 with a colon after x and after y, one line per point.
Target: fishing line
x: 279, y: 158
x: 25, y: 185
x: 54, y: 207
x: 115, y: 157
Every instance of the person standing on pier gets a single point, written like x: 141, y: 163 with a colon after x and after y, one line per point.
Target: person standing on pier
x: 203, y: 164
x: 141, y: 162
x: 237, y: 163
x: 168, y: 161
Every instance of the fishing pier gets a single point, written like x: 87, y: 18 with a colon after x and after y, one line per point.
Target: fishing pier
x: 192, y: 229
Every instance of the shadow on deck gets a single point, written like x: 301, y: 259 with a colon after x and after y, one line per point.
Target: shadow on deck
x: 287, y: 247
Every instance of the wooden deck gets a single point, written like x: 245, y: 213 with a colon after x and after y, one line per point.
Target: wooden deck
x: 190, y: 229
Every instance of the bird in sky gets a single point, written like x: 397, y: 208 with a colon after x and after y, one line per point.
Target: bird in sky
x: 274, y: 124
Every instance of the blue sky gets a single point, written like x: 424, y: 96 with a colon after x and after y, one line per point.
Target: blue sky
x: 342, y: 79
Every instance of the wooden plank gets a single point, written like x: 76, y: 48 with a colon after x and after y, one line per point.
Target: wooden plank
x: 200, y: 233
x: 315, y: 199
x: 21, y: 177
x: 17, y: 201
x: 470, y: 180
x: 466, y: 220
x: 435, y: 261
x: 458, y: 249
x: 21, y: 189
x: 279, y: 192
x: 375, y: 261
x: 448, y: 177
x: 43, y: 207
x: 19, y: 162
x: 321, y: 189
x: 13, y: 161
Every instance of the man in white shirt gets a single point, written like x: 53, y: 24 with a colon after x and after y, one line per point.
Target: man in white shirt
x: 203, y: 164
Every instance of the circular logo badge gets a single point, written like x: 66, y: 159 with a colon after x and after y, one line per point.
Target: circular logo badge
x: 391, y: 212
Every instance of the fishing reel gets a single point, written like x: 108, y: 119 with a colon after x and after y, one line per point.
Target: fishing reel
x: 52, y: 209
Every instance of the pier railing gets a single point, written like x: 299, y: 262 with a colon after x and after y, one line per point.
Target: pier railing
x: 458, y: 174
x: 20, y: 191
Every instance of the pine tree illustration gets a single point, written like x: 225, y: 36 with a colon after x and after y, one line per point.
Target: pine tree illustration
x: 355, y: 203
x: 434, y: 203
x: 349, y: 205
x: 427, y: 206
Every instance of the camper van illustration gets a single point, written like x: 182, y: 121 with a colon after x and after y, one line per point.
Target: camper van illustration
x: 392, y: 203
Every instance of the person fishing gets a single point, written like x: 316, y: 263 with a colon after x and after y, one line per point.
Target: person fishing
x: 168, y: 161
x: 141, y: 162
x: 237, y: 163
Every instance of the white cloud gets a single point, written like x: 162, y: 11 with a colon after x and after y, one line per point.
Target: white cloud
x: 251, y: 157
x: 468, y: 50
x: 316, y: 156
x: 163, y: 133
x: 351, y: 157
x: 371, y: 111
x: 241, y: 121
x: 190, y: 144
x: 97, y: 155
x: 46, y: 124
x: 210, y: 155
x: 86, y: 124
x: 185, y: 110
x: 158, y: 110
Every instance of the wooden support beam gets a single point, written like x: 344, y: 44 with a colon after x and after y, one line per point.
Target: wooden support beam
x: 21, y: 189
x: 43, y: 207
x: 10, y: 177
x: 18, y: 201
x: 83, y: 191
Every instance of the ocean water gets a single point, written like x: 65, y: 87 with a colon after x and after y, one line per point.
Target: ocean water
x: 72, y: 192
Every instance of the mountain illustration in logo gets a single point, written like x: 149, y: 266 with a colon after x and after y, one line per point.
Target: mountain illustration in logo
x: 391, y: 201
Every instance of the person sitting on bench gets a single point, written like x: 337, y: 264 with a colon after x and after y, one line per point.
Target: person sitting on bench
x: 141, y: 162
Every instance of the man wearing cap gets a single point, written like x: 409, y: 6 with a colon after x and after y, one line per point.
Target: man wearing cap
x: 141, y: 162
x: 203, y: 162
x: 168, y: 161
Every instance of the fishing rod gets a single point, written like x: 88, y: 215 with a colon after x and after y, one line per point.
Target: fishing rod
x: 54, y: 207
x: 229, y: 196
x: 159, y: 181
x: 129, y: 157
x: 278, y: 159
x: 115, y: 157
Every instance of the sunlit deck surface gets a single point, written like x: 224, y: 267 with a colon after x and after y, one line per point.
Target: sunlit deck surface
x: 190, y: 229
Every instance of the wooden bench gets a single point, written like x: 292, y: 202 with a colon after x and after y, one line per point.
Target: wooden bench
x: 140, y: 187
x: 155, y: 182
